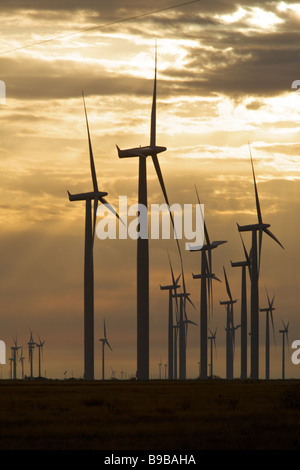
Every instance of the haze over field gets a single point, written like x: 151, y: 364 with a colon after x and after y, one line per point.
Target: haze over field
x: 225, y: 71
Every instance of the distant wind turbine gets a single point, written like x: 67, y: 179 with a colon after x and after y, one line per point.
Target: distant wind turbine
x: 142, y: 242
x: 171, y: 288
x: 212, y: 339
x: 21, y: 359
x: 104, y: 343
x: 269, y: 313
x: 183, y: 322
x: 259, y: 229
x: 246, y: 263
x: 40, y: 347
x: 206, y: 298
x: 229, y: 329
x: 31, y: 345
x: 90, y: 225
x: 284, y: 333
x: 14, y: 350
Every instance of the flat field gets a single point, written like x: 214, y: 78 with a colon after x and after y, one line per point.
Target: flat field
x: 154, y: 415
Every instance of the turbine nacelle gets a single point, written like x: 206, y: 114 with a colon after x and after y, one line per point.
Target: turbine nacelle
x: 227, y: 302
x: 85, y: 196
x: 146, y: 151
x: 247, y: 228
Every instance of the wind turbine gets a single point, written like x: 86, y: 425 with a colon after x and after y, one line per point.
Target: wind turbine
x: 171, y: 288
x: 31, y: 345
x: 90, y: 226
x: 259, y: 229
x: 284, y: 332
x: 159, y: 370
x: 40, y: 346
x: 206, y: 277
x: 182, y: 325
x: 212, y: 339
x: 21, y: 359
x: 14, y: 351
x: 229, y: 329
x: 246, y: 263
x: 142, y: 242
x: 104, y: 342
x: 269, y: 313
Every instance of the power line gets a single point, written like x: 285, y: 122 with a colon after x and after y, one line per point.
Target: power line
x: 106, y: 25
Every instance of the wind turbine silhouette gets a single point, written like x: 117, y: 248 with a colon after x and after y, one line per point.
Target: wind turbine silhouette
x: 206, y: 298
x: 171, y: 288
x: 259, y: 229
x: 243, y: 265
x: 21, y: 359
x: 284, y: 332
x: 31, y: 345
x: 40, y: 346
x: 269, y: 313
x: 212, y: 340
x: 14, y: 350
x: 142, y: 242
x: 182, y: 325
x: 104, y: 342
x: 90, y: 226
x: 229, y: 329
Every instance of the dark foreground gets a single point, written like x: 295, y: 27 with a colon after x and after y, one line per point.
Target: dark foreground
x: 158, y: 415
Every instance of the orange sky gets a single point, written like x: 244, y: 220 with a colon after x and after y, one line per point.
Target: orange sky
x: 224, y: 78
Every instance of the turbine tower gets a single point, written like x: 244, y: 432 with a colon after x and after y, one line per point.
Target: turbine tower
x: 229, y: 329
x: 31, y: 345
x: 142, y: 242
x: 243, y: 264
x: 284, y: 332
x: 206, y: 277
x: 269, y: 313
x: 255, y: 229
x: 40, y: 346
x: 212, y: 339
x: 171, y: 288
x: 96, y: 196
x: 104, y: 342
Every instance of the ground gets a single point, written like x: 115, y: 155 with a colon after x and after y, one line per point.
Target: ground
x: 155, y: 415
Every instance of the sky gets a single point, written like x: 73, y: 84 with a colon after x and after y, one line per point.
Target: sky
x: 225, y: 74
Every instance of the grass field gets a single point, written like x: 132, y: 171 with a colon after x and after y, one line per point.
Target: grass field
x: 155, y: 415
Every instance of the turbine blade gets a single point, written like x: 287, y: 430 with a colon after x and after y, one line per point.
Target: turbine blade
x: 227, y: 285
x: 244, y: 248
x: 268, y: 232
x: 110, y: 207
x: 162, y: 184
x: 272, y: 300
x: 191, y: 302
x: 104, y: 328
x: 172, y: 272
x: 259, y: 249
x: 153, y: 111
x: 174, y: 282
x: 272, y: 321
x: 94, y: 219
x: 255, y: 188
x: 93, y: 171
